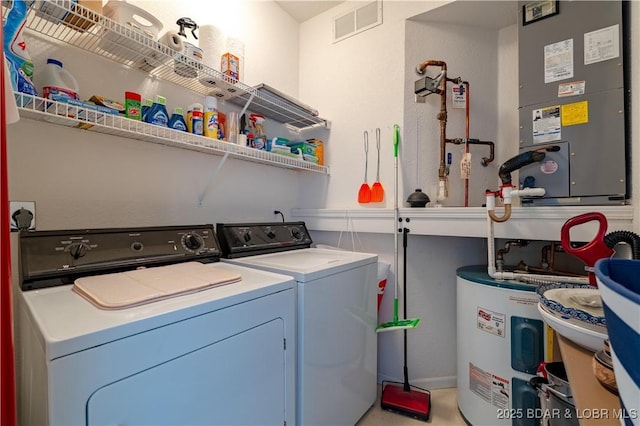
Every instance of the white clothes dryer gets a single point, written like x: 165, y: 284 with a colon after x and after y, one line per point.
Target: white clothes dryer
x: 336, y: 316
x: 225, y: 355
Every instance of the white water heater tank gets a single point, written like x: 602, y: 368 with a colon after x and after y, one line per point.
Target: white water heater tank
x: 501, y: 341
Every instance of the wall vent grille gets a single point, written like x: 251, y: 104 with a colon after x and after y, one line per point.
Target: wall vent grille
x: 357, y: 20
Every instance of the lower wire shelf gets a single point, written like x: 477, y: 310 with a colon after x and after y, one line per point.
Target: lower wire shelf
x: 86, y: 118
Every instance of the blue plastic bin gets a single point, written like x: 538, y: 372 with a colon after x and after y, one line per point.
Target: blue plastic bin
x: 619, y: 284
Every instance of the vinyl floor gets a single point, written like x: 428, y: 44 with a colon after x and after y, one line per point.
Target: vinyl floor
x: 444, y: 412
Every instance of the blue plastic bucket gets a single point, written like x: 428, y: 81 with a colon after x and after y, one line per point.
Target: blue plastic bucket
x: 619, y: 284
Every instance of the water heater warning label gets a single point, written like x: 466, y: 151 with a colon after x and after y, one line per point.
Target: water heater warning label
x: 491, y: 322
x: 490, y: 387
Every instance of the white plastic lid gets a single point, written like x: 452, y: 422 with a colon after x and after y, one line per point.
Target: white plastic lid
x: 210, y: 103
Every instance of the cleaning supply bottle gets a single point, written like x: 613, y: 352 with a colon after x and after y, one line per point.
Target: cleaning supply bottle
x: 211, y: 117
x: 177, y: 121
x: 319, y: 152
x: 158, y: 114
x: 194, y: 119
x: 196, y: 122
x: 146, y: 105
x: 15, y: 50
x: 132, y: 105
x: 58, y: 82
x: 190, y: 50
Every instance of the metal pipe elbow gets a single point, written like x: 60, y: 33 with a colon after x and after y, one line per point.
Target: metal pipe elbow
x: 421, y: 68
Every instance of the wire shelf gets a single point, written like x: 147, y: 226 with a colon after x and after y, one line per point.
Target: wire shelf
x: 90, y: 119
x: 72, y: 24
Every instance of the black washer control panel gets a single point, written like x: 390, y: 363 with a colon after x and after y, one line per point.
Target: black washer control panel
x: 50, y: 258
x: 246, y: 239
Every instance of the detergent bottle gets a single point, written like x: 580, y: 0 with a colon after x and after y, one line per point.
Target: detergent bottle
x: 146, y: 106
x: 157, y: 113
x: 15, y: 49
x: 177, y: 121
x: 58, y: 82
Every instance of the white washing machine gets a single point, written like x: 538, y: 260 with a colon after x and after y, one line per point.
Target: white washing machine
x: 336, y: 311
x: 501, y: 341
x: 225, y: 355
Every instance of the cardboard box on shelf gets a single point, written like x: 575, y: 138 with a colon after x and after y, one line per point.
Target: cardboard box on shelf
x: 230, y: 66
x: 77, y: 21
x: 67, y: 11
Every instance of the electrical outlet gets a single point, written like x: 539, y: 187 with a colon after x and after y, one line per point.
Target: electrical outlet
x: 26, y: 216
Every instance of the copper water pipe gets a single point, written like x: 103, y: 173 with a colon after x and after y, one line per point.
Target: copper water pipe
x: 421, y: 68
x: 442, y: 115
x: 504, y: 217
x: 485, y: 160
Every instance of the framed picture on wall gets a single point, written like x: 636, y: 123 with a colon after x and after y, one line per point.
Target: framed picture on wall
x: 537, y: 10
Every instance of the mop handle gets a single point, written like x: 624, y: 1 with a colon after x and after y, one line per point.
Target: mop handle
x: 396, y: 140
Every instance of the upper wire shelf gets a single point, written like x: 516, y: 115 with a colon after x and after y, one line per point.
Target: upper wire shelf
x: 73, y: 24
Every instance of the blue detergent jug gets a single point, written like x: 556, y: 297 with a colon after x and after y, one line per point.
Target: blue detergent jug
x: 177, y: 121
x: 158, y: 114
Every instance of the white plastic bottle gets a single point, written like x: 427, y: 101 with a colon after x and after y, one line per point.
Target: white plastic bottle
x: 57, y: 82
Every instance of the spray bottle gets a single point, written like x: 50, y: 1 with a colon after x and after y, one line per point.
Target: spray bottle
x: 190, y: 49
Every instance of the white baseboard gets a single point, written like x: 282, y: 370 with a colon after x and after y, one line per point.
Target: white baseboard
x: 430, y: 383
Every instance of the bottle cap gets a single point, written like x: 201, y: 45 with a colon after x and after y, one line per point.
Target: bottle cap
x: 210, y: 103
x: 54, y: 61
x: 132, y: 95
x: 161, y: 100
x: 177, y: 110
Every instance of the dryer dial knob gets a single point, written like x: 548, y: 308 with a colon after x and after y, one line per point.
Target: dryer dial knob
x: 77, y: 250
x: 296, y: 234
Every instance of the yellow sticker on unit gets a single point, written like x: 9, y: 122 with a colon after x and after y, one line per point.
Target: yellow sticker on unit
x: 575, y: 113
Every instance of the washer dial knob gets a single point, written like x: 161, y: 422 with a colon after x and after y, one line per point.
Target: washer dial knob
x: 192, y: 242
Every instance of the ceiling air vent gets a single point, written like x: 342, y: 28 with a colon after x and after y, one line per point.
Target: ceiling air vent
x: 357, y: 20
